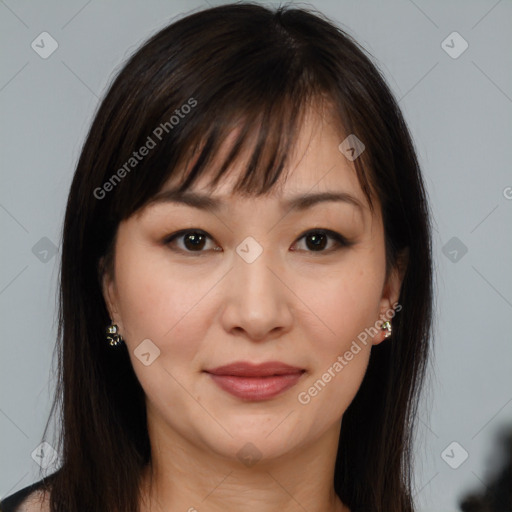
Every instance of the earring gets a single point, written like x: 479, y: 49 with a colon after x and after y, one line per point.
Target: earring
x: 113, y: 337
x: 386, y: 326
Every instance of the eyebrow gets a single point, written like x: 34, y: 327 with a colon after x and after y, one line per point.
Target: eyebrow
x: 299, y: 203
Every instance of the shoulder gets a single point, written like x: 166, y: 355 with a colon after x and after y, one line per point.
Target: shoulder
x: 36, y: 501
x: 32, y: 498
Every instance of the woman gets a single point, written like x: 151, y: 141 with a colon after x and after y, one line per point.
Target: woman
x: 249, y: 223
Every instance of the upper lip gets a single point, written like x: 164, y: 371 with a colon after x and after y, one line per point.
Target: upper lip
x: 246, y: 369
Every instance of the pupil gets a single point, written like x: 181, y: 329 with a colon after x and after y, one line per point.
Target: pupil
x: 317, y: 243
x: 195, y: 238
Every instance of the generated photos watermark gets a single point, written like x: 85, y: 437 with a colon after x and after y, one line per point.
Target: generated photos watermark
x: 304, y: 397
x: 151, y: 143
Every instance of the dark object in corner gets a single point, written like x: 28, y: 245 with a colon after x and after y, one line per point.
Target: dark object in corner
x: 498, y: 494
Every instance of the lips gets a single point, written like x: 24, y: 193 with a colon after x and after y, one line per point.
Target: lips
x: 245, y: 369
x: 256, y: 382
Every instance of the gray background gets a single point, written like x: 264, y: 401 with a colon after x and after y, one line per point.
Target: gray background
x: 459, y: 111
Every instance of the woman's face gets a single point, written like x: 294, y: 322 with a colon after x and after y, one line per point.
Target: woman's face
x: 257, y: 284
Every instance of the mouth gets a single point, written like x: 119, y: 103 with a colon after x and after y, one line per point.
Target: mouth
x: 251, y: 382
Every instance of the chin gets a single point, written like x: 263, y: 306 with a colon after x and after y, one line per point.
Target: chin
x: 255, y: 440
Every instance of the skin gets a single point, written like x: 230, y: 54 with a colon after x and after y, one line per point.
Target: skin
x: 292, y: 304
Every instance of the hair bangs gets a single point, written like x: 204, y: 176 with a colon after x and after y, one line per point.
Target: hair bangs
x: 261, y: 141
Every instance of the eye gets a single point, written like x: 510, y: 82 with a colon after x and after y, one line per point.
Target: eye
x: 194, y: 240
x: 317, y: 239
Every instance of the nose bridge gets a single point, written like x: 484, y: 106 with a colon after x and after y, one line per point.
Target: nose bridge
x: 252, y: 272
x: 256, y: 299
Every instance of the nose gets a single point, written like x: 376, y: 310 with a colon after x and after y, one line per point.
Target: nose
x: 257, y: 301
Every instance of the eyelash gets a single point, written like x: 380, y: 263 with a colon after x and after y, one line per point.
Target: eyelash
x: 340, y: 241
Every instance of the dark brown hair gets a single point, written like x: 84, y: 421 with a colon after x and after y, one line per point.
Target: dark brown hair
x: 247, y: 66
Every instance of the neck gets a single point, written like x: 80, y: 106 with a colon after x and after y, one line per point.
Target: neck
x: 183, y: 476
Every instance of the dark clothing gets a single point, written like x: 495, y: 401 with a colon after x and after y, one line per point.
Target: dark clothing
x: 12, y: 502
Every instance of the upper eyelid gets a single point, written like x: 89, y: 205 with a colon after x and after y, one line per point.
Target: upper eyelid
x: 181, y: 232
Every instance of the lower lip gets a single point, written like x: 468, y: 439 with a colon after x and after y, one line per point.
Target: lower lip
x: 256, y: 388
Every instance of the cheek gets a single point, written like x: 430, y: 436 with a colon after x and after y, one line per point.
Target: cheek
x: 346, y: 302
x: 348, y: 306
x: 161, y: 303
x: 340, y: 360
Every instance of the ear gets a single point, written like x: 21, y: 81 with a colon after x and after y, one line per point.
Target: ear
x: 391, y: 293
x: 109, y: 293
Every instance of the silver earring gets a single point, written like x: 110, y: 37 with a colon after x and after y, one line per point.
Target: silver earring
x: 386, y: 326
x: 113, y: 337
